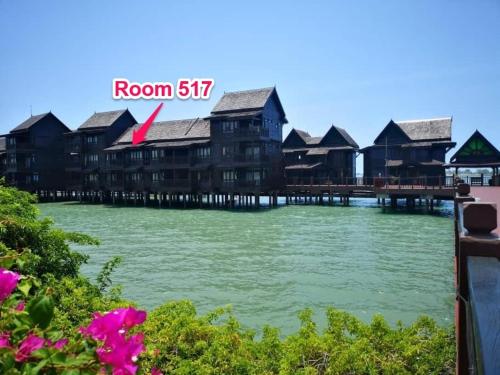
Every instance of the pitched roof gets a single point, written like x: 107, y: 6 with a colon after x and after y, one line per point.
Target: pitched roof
x: 346, y: 136
x: 171, y: 130
x: 302, y: 134
x: 32, y: 120
x: 2, y: 144
x: 313, y: 141
x: 417, y: 130
x: 495, y: 154
x: 102, y: 119
x: 241, y: 100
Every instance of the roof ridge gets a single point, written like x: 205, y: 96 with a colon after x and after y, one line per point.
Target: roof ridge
x: 425, y: 119
x: 250, y: 90
x: 193, y: 121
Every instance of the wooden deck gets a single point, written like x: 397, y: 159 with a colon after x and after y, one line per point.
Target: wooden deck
x: 370, y: 191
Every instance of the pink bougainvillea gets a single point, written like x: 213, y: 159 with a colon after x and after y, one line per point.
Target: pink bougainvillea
x: 121, y: 353
x: 122, y: 319
x: 4, y: 340
x: 117, y: 350
x: 20, y: 306
x: 28, y: 346
x: 8, y: 282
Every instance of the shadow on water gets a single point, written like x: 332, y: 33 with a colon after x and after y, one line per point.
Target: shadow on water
x: 444, y: 209
x: 261, y: 209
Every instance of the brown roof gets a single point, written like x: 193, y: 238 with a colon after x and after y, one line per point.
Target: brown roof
x: 32, y: 120
x: 171, y: 130
x: 240, y: 100
x: 419, y: 130
x: 102, y: 119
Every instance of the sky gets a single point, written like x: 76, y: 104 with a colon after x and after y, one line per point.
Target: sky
x: 355, y: 64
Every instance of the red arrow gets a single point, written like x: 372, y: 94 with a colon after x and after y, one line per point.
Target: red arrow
x: 139, y: 135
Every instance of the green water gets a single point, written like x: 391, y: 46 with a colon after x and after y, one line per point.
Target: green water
x: 272, y: 263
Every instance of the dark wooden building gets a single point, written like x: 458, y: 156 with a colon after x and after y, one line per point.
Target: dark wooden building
x: 84, y: 148
x: 320, y: 160
x: 35, y: 154
x: 477, y: 152
x: 3, y: 157
x: 176, y: 157
x: 410, y: 152
x: 246, y: 135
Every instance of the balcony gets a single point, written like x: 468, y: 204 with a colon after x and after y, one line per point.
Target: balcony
x: 247, y: 133
x: 114, y: 164
x: 249, y: 158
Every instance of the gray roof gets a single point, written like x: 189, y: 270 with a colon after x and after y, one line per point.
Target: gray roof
x: 25, y: 125
x: 2, y: 144
x: 417, y: 130
x: 102, y: 119
x: 171, y: 130
x: 303, y: 134
x: 312, y: 141
x: 240, y: 100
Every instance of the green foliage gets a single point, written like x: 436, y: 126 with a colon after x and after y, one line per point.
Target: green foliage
x: 21, y: 230
x: 180, y: 342
x: 104, y: 278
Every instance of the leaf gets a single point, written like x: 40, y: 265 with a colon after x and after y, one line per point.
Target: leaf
x: 41, y: 310
x: 24, y: 286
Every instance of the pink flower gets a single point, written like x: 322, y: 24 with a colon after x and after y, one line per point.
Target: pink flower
x: 155, y: 371
x: 28, y: 346
x: 59, y: 344
x: 113, y: 322
x: 121, y: 353
x: 20, y: 306
x: 8, y: 282
x: 4, y: 340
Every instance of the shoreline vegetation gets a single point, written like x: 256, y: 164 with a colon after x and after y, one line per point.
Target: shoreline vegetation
x: 53, y: 320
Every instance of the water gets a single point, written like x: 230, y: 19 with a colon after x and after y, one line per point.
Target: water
x: 270, y: 264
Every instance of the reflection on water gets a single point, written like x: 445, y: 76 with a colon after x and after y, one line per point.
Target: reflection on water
x: 269, y: 264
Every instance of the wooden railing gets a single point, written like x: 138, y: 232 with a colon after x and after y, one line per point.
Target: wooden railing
x: 477, y: 253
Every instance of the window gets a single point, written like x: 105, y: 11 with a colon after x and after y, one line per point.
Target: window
x: 135, y: 177
x: 111, y: 157
x: 157, y: 154
x: 11, y: 141
x: 203, y: 152
x: 252, y: 151
x: 28, y: 179
x: 35, y: 177
x: 157, y: 176
x: 93, y: 177
x: 91, y: 158
x: 92, y: 139
x: 229, y: 126
x: 228, y: 175
x: 227, y: 151
x: 12, y: 159
x: 112, y: 177
x: 253, y: 175
x: 136, y: 155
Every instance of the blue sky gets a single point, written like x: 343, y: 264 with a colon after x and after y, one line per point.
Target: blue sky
x: 356, y: 64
